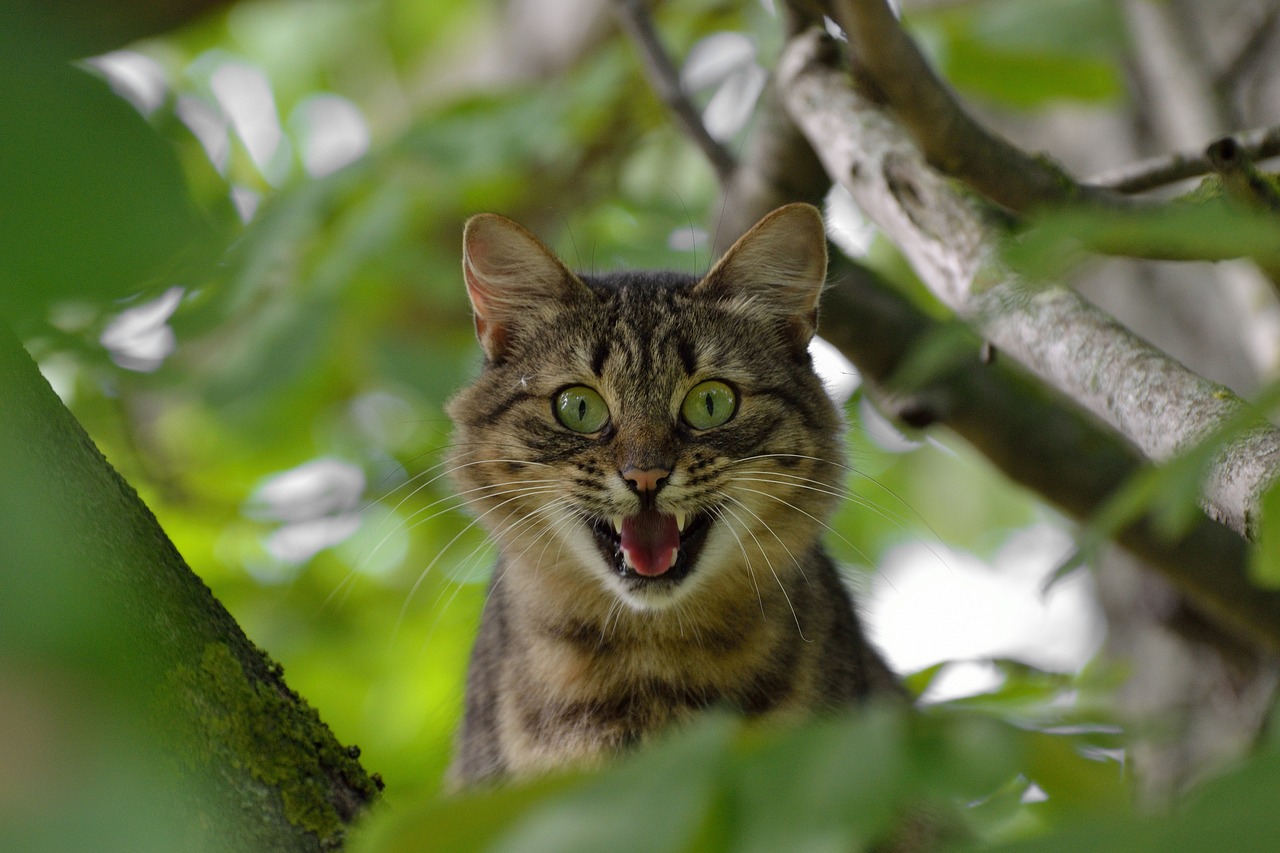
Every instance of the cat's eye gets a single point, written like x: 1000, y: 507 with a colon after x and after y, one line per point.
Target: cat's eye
x: 709, y: 404
x: 581, y: 409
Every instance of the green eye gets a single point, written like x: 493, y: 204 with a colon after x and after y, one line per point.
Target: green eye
x: 581, y: 409
x: 709, y: 404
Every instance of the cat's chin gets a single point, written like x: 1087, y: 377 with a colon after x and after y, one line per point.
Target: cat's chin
x: 644, y: 586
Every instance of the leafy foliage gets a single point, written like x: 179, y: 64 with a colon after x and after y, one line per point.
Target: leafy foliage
x: 322, y: 324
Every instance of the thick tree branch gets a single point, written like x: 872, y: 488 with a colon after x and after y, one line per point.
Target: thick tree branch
x: 1045, y: 443
x: 260, y: 769
x: 664, y: 79
x: 1151, y: 399
x: 1156, y: 172
x: 888, y: 62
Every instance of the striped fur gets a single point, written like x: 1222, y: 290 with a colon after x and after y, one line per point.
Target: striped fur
x: 574, y: 660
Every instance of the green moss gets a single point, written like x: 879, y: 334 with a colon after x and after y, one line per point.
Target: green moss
x: 261, y: 726
x: 1209, y: 189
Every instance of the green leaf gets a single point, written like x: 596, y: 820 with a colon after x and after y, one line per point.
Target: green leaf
x: 1264, y: 565
x: 945, y: 349
x: 1028, y: 55
x: 1211, y: 230
x: 654, y: 801
x: 93, y: 203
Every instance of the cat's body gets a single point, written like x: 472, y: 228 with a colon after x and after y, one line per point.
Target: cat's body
x: 656, y: 460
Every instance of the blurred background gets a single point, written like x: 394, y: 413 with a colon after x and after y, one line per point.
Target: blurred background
x: 275, y: 394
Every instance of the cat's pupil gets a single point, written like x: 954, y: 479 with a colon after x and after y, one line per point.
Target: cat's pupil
x: 711, y: 403
x: 582, y: 410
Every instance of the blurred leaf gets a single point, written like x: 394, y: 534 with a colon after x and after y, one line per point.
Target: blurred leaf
x: 652, y: 801
x: 1205, y: 230
x: 839, y: 783
x: 918, y: 682
x: 1264, y: 567
x: 1232, y: 812
x: 1029, y: 79
x: 1029, y: 55
x: 943, y: 351
x: 93, y: 203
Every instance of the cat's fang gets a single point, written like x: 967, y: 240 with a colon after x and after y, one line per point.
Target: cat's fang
x: 682, y: 519
x: 617, y: 524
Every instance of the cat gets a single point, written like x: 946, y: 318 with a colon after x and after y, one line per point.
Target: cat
x: 656, y: 460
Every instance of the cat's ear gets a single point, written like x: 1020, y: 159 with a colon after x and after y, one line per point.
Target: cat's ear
x: 779, y: 266
x: 512, y: 278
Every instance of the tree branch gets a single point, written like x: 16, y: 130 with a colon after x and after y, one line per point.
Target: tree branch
x: 887, y: 60
x: 1037, y: 438
x: 1251, y: 55
x: 101, y: 592
x: 664, y: 79
x: 1078, y: 349
x: 1045, y: 443
x: 1255, y: 145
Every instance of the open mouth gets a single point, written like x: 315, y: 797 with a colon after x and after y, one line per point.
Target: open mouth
x: 652, y: 547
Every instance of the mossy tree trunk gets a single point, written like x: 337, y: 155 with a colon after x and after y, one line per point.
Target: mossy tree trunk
x: 134, y: 711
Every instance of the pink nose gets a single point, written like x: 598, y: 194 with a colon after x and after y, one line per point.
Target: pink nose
x: 646, y: 479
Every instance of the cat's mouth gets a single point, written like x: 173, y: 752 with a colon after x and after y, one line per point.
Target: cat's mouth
x: 651, y: 546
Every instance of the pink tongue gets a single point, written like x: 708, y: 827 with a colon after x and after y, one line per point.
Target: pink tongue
x: 650, y: 542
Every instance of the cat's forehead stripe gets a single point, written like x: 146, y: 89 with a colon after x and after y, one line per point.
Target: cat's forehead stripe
x: 688, y: 355
x: 601, y: 354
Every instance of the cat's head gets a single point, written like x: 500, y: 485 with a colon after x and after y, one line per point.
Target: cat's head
x: 651, y: 434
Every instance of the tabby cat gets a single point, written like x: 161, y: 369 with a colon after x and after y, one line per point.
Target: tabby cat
x: 656, y: 460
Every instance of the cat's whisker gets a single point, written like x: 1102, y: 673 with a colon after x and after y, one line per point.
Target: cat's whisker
x: 417, y: 518
x: 410, y: 495
x: 772, y: 532
x: 347, y: 583
x: 552, y: 532
x: 831, y: 529
x: 893, y: 518
x: 769, y: 563
x: 857, y: 472
x: 782, y: 478
x: 411, y: 480
x: 462, y: 564
x: 423, y: 574
x: 527, y: 519
x: 461, y: 499
x: 615, y: 610
x: 719, y: 513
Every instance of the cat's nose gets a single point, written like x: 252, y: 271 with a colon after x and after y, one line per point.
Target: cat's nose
x: 646, y: 480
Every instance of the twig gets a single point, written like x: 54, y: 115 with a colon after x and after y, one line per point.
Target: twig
x: 663, y: 77
x: 887, y: 59
x: 1255, y: 145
